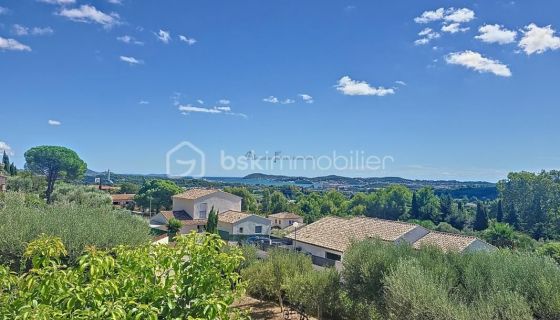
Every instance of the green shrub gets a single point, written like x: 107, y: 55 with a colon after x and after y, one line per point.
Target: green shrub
x: 502, y: 305
x: 77, y: 225
x: 146, y: 282
x: 80, y: 195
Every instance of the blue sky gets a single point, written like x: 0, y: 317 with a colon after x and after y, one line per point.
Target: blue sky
x: 448, y: 89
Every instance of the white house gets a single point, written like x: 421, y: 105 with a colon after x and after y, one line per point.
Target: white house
x: 330, y: 237
x: 234, y: 225
x: 283, y: 220
x: 191, y: 208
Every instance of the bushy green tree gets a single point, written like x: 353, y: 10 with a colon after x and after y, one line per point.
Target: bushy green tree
x: 80, y: 195
x: 212, y: 222
x: 248, y: 202
x: 158, y: 193
x: 128, y: 188
x: 428, y: 204
x: 173, y: 227
x: 147, y: 282
x: 481, y: 217
x: 54, y: 163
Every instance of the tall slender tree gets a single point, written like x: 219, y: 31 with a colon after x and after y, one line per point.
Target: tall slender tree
x: 512, y: 217
x: 500, y: 211
x: 415, y: 207
x: 212, y: 222
x: 6, y: 162
x: 481, y: 217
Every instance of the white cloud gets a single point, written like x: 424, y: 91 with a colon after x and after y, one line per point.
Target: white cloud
x: 163, y: 36
x: 129, y: 39
x: 224, y: 108
x: 88, y: 14
x: 59, y: 2
x: 144, y: 102
x: 538, y: 39
x: 458, y: 15
x: 287, y: 101
x: 4, y: 10
x: 450, y: 15
x: 20, y: 30
x: 200, y: 101
x: 429, y: 16
x: 428, y: 35
x: 131, y: 60
x: 402, y: 83
x: 14, y: 45
x: 306, y: 98
x: 6, y: 147
x: 224, y: 101
x: 474, y: 60
x: 54, y: 122
x: 115, y: 1
x: 495, y: 33
x: 271, y: 99
x: 36, y: 31
x: 453, y: 28
x: 189, y: 41
x: 188, y: 108
x: 351, y: 87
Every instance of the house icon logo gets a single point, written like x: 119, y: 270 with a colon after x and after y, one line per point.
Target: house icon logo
x: 184, y: 160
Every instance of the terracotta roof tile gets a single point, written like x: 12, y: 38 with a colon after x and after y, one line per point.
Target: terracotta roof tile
x: 195, y: 193
x: 123, y: 197
x: 285, y: 215
x: 232, y: 216
x: 445, y: 241
x: 337, y: 233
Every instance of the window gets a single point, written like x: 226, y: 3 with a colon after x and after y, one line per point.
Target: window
x: 258, y: 229
x: 241, y: 230
x: 202, y: 210
x: 290, y: 222
x: 332, y: 256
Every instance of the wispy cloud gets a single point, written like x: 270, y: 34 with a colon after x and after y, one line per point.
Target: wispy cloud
x: 188, y: 109
x: 351, y: 87
x: 54, y: 122
x: 115, y: 1
x: 143, y: 102
x: 306, y: 98
x: 427, y: 35
x: 271, y: 99
x: 200, y: 101
x: 13, y: 45
x: 4, y: 10
x: 21, y: 30
x: 4, y: 147
x: 400, y: 82
x: 454, y: 28
x: 224, y: 101
x: 538, y: 39
x: 129, y: 39
x: 131, y: 60
x: 89, y: 14
x: 187, y: 40
x: 58, y: 2
x: 495, y: 33
x: 474, y: 60
x: 163, y: 36
x: 449, y: 15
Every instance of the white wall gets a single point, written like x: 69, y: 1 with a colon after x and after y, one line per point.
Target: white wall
x: 183, y: 204
x: 249, y: 224
x: 283, y: 222
x: 220, y: 202
x: 315, y: 250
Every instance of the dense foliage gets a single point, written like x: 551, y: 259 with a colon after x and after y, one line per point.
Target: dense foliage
x: 54, y: 163
x: 195, y: 279
x: 80, y: 195
x: 24, y: 217
x: 385, y: 281
x: 156, y: 194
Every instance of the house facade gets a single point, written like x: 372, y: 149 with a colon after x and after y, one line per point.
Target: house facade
x: 192, y: 207
x: 282, y: 220
x: 124, y: 200
x: 236, y: 225
x: 329, y: 237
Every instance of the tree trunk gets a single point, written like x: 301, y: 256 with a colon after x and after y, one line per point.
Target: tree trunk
x: 51, y: 179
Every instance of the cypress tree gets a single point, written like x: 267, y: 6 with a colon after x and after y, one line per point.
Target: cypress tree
x: 415, y: 208
x: 512, y: 218
x: 481, y: 218
x: 500, y: 212
x: 212, y: 222
x: 6, y: 162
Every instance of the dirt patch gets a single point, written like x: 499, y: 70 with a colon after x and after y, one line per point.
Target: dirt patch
x: 261, y: 310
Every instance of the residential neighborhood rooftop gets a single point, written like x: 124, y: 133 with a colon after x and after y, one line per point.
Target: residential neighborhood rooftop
x: 285, y: 215
x: 195, y: 193
x: 338, y: 233
x: 232, y: 216
x: 445, y: 241
x: 179, y: 215
x: 123, y: 197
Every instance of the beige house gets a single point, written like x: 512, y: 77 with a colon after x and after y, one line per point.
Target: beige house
x: 123, y: 200
x: 3, y: 183
x: 283, y: 220
x: 192, y: 207
x: 330, y: 237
